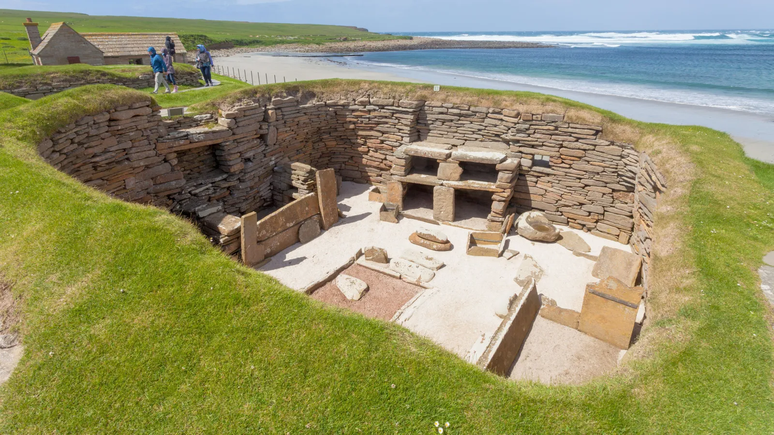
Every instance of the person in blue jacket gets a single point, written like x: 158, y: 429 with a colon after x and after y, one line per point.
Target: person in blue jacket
x: 159, y: 69
x: 204, y: 63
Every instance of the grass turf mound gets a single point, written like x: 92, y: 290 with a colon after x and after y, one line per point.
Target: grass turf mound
x: 7, y: 101
x: 33, y: 76
x: 132, y: 322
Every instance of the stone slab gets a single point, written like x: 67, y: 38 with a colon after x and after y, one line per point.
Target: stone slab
x: 476, y: 154
x: 427, y: 244
x: 529, y: 270
x: 327, y: 189
x: 288, y: 216
x: 251, y: 252
x: 485, y: 244
x: 432, y: 235
x: 769, y: 258
x: 767, y: 282
x: 411, y: 272
x: 376, y: 255
x: 422, y: 259
x: 378, y: 267
x: 309, y: 230
x: 389, y: 213
x: 562, y: 316
x: 573, y: 242
x: 278, y: 243
x: 510, y: 337
x: 451, y: 171
x: 352, y: 288
x: 619, y: 264
x: 609, y: 311
x: 429, y: 150
x: 225, y: 224
x: 394, y: 194
x: 443, y: 204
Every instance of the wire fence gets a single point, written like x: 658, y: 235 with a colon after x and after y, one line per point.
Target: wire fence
x: 250, y: 76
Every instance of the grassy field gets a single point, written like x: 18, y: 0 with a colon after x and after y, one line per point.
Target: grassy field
x: 132, y: 322
x: 7, y: 101
x: 14, y: 77
x: 239, y: 33
x: 189, y: 98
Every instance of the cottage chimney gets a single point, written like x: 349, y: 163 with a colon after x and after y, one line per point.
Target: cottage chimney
x: 33, y: 33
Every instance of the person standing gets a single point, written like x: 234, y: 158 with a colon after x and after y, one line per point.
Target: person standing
x: 168, y: 61
x: 204, y: 63
x: 170, y: 45
x: 159, y: 68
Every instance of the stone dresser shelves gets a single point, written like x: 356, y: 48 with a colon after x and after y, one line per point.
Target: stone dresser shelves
x: 461, y: 165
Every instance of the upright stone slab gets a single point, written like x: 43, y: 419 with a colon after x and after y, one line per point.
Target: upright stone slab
x: 619, y: 264
x: 610, y: 311
x: 326, y: 193
x: 394, y: 194
x: 443, y: 204
x: 251, y: 252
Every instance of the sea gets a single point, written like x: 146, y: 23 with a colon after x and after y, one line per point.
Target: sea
x: 723, y: 69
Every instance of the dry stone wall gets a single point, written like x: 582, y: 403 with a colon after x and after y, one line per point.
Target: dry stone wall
x: 263, y: 152
x: 44, y: 87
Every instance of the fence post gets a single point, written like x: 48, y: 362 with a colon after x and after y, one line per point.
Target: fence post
x: 267, y: 78
x: 252, y: 78
x: 275, y: 78
x: 259, y: 77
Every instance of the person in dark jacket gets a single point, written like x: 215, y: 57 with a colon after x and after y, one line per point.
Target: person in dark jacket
x: 159, y: 68
x: 168, y: 61
x: 204, y: 63
x: 170, y: 45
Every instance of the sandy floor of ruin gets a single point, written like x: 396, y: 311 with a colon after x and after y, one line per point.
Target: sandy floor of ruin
x: 460, y: 308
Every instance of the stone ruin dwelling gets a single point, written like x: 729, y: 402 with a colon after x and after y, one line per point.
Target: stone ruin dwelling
x: 61, y: 45
x: 262, y: 174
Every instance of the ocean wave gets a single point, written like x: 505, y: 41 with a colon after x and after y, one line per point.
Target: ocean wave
x: 690, y: 97
x: 615, y: 39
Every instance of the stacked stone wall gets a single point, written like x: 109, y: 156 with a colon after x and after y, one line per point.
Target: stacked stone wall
x: 44, y: 87
x: 263, y: 152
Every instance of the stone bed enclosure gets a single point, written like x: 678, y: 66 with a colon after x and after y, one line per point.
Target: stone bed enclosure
x: 44, y: 86
x: 262, y: 152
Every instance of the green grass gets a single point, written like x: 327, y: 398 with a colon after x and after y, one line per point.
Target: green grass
x: 184, y: 99
x: 237, y: 32
x: 12, y: 77
x: 7, y: 101
x: 132, y: 322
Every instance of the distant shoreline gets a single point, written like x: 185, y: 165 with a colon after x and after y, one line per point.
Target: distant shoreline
x: 753, y: 131
x: 416, y: 43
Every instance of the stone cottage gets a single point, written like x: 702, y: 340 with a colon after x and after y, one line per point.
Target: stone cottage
x: 61, y: 45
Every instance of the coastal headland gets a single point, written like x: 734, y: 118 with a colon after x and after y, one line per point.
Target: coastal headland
x: 415, y: 43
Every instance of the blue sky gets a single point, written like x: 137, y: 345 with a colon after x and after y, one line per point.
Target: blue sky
x: 449, y: 15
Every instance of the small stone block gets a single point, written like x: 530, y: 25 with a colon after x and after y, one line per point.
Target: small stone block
x: 432, y: 235
x: 427, y: 244
x: 309, y: 230
x: 422, y: 259
x: 412, y: 272
x: 619, y: 264
x: 352, y: 288
x: 377, y: 255
x: 443, y: 204
x: 389, y: 213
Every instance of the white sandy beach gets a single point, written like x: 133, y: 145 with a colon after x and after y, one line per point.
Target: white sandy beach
x: 294, y: 68
x: 754, y: 132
